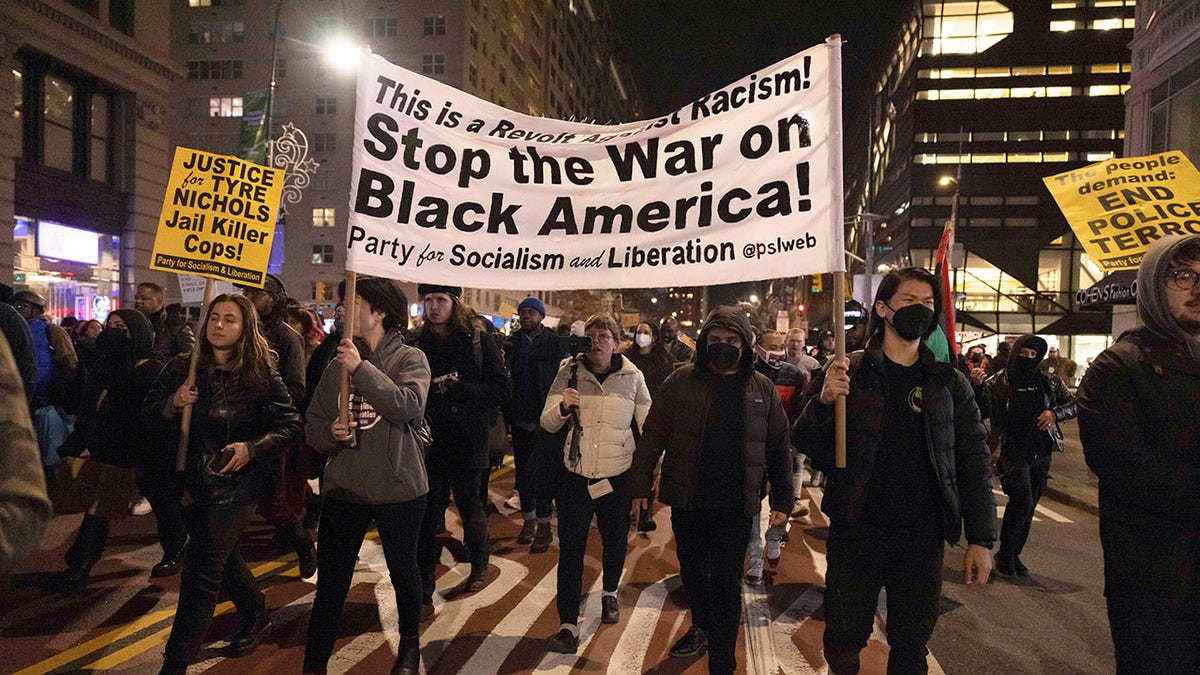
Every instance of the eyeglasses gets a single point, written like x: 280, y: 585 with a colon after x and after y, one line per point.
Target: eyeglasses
x: 601, y: 338
x: 1183, y: 280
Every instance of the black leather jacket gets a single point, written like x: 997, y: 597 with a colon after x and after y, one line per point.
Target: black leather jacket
x: 954, y: 437
x: 1055, y: 394
x: 225, y: 413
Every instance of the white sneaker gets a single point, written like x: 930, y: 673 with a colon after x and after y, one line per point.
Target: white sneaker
x: 141, y: 507
x: 774, y: 552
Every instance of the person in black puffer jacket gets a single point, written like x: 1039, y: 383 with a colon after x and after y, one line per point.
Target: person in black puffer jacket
x: 468, y: 382
x: 242, y: 417
x: 916, y: 473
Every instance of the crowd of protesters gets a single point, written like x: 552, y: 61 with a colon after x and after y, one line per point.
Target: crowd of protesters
x: 603, y: 423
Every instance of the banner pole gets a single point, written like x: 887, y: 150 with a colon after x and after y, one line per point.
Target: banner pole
x: 839, y: 337
x: 185, y: 424
x: 347, y: 333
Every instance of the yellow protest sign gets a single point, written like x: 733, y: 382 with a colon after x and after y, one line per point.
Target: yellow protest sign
x: 218, y: 218
x: 1118, y: 207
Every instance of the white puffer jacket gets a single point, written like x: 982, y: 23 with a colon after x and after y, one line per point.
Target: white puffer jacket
x: 606, y: 412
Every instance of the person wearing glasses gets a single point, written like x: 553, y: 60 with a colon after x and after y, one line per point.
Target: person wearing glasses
x: 599, y: 396
x: 1141, y: 437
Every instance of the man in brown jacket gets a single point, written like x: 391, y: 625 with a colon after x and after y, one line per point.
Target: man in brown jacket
x: 723, y: 430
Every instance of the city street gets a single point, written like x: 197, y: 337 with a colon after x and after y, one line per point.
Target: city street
x: 1051, y: 622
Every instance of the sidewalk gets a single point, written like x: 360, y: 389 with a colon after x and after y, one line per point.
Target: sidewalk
x: 1071, y: 481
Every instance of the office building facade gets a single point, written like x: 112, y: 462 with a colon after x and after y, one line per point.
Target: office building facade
x: 996, y: 95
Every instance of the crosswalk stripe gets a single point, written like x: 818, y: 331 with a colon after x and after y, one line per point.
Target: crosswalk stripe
x: 788, y: 656
x: 589, y: 622
x: 510, y: 630
x: 630, y: 653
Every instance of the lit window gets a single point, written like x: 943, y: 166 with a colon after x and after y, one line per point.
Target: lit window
x: 1054, y: 157
x: 1105, y: 24
x: 964, y: 27
x: 1104, y: 90
x: 1099, y: 156
x: 1029, y: 70
x: 1059, y: 92
x: 1022, y: 157
x: 1062, y: 26
x: 322, y: 254
x: 1104, y: 68
x: 225, y: 106
x: 991, y: 72
x: 1063, y: 4
x: 1060, y: 70
x: 991, y: 93
x: 324, y: 217
x: 987, y: 158
x: 1108, y: 3
x: 957, y: 94
x: 1028, y: 92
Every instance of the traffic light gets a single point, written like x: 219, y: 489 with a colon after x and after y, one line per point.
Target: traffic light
x: 800, y: 308
x: 817, y: 285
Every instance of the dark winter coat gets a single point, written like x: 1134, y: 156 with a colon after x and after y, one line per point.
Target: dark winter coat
x: 954, y: 438
x: 1055, y: 395
x: 1138, y: 404
x: 461, y: 415
x: 226, y: 412
x: 172, y: 336
x: 677, y: 421
x: 525, y: 407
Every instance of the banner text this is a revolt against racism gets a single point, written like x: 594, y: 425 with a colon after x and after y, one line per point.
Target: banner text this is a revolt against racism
x: 742, y: 184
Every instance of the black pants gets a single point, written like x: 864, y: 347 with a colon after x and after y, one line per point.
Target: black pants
x: 464, y: 484
x: 164, y: 490
x: 711, y: 546
x: 575, y: 510
x: 89, y: 542
x: 213, y: 564
x: 536, y: 470
x: 909, y: 565
x: 1024, y: 485
x: 339, y: 538
x: 1154, y: 635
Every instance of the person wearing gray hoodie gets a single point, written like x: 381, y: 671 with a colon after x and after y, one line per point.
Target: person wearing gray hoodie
x: 375, y: 469
x: 1138, y: 423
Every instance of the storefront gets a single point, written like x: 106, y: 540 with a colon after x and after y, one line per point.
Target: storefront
x: 77, y: 270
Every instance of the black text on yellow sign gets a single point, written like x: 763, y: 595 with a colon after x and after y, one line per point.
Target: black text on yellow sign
x: 218, y: 218
x: 1118, y: 207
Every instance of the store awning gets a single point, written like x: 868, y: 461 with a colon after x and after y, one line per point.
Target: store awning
x: 1081, y: 323
x: 1118, y: 288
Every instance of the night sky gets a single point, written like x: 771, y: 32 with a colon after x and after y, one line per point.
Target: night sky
x: 680, y: 51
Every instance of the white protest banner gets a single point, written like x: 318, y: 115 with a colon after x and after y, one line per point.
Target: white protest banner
x: 191, y: 288
x: 742, y: 184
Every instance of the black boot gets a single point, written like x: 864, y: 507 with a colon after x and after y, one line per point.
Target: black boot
x: 251, y: 629
x: 171, y: 562
x: 68, y: 582
x: 408, y: 661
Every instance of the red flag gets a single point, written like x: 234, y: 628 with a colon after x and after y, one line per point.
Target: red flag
x: 943, y: 275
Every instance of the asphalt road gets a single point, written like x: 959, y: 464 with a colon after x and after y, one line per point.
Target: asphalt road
x: 1053, y: 622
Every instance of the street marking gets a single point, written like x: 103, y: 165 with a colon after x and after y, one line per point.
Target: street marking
x: 590, y: 615
x: 788, y: 655
x: 629, y: 656
x: 510, y: 630
x: 1053, y: 515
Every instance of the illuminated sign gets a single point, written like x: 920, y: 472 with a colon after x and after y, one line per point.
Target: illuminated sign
x: 67, y: 243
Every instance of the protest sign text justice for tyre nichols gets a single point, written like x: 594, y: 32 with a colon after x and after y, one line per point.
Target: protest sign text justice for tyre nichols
x: 218, y: 218
x: 445, y: 183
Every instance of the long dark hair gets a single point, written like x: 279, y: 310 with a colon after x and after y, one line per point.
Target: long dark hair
x: 460, y: 321
x: 252, y: 358
x: 889, y: 286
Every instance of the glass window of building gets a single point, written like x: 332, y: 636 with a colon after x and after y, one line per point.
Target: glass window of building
x: 326, y: 105
x: 433, y: 25
x: 322, y: 254
x: 1175, y: 115
x: 98, y: 150
x: 964, y: 27
x: 324, y: 217
x: 433, y: 64
x: 59, y: 124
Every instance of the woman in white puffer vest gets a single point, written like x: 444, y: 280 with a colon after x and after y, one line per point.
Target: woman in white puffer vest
x: 611, y: 398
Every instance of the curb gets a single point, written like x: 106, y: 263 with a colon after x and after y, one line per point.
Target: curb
x: 1082, y: 498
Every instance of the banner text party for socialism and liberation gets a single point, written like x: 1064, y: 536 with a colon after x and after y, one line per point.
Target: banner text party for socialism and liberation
x: 1118, y: 207
x: 218, y: 218
x: 742, y: 184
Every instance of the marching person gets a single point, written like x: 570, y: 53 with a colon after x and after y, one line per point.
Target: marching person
x: 375, y: 471
x: 533, y: 354
x: 242, y: 417
x: 650, y: 356
x: 172, y: 336
x: 916, y: 473
x: 723, y: 431
x: 600, y: 397
x: 1140, y: 434
x: 668, y: 330
x: 468, y: 381
x: 1027, y: 406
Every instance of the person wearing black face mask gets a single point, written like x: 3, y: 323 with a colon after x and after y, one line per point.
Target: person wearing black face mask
x: 723, y: 430
x: 1027, y: 406
x: 916, y: 474
x: 117, y: 446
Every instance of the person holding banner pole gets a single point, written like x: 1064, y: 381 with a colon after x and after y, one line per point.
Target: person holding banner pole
x: 243, y: 417
x: 466, y: 385
x: 380, y: 477
x: 899, y: 493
